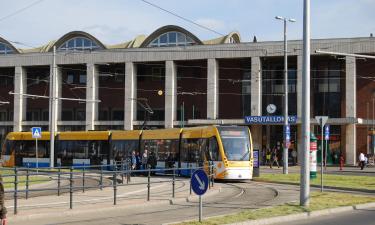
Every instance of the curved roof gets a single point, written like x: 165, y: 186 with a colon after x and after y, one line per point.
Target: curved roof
x: 166, y: 29
x: 135, y: 43
x: 74, y: 34
x: 235, y: 36
x: 140, y: 41
x: 9, y: 44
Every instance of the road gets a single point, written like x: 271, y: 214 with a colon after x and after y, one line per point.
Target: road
x: 359, y: 216
x: 233, y: 197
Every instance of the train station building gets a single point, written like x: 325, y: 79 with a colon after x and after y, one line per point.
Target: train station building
x: 189, y: 82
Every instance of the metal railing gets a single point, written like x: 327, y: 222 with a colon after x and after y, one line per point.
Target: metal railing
x: 74, y: 175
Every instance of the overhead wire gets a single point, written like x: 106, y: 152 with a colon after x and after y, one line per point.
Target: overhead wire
x: 20, y: 10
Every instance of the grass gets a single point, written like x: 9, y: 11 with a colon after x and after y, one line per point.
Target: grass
x: 8, y: 181
x: 356, y: 182
x: 318, y: 201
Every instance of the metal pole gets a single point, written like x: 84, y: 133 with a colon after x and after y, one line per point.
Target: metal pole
x: 71, y: 189
x: 58, y: 181
x: 52, y: 108
x: 321, y: 157
x: 83, y: 178
x: 15, y: 190
x: 27, y: 183
x: 114, y: 188
x: 200, y: 208
x: 193, y: 112
x: 36, y: 154
x: 191, y: 174
x: 101, y: 177
x: 148, y: 183
x: 173, y: 182
x: 305, y: 170
x: 285, y: 151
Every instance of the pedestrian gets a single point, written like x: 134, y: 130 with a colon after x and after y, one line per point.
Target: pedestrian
x: 138, y: 161
x: 274, y: 156
x: 268, y: 157
x: 294, y: 156
x: 362, y: 160
x: 3, y: 210
x: 144, y: 159
x: 152, y: 162
x: 134, y: 160
x: 342, y: 160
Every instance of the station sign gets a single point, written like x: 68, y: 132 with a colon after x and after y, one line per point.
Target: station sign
x: 269, y: 119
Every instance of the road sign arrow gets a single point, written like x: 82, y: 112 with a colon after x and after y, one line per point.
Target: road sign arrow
x: 202, y: 185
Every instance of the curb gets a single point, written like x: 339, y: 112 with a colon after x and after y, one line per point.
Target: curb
x: 318, y: 186
x: 307, y: 215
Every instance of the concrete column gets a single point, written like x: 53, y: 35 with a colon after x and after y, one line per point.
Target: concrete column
x: 212, y: 89
x: 256, y: 87
x: 92, y: 93
x: 130, y: 95
x: 20, y: 86
x: 170, y: 93
x: 350, y: 109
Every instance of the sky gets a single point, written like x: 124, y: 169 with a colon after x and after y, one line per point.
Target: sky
x: 117, y: 21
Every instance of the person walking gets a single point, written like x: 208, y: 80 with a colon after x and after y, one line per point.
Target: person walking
x: 3, y: 210
x: 274, y: 157
x: 294, y: 156
x: 362, y: 160
x: 268, y: 158
x: 134, y: 160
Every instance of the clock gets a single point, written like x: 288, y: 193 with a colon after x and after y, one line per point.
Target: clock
x: 271, y: 108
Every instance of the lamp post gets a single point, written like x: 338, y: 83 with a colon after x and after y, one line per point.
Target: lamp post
x: 286, y: 122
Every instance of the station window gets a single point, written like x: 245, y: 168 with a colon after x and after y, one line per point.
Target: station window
x: 78, y: 44
x: 5, y: 49
x: 172, y: 38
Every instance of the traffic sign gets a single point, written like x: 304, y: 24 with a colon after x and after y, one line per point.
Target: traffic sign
x: 322, y: 120
x: 326, y: 133
x: 36, y: 132
x: 199, y: 182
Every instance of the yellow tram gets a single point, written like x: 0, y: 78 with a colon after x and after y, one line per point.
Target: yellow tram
x: 229, y: 148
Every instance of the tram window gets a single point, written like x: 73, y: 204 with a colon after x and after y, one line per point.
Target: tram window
x: 192, y: 150
x: 161, y: 148
x: 8, y: 147
x: 28, y: 149
x: 124, y: 148
x: 214, y: 149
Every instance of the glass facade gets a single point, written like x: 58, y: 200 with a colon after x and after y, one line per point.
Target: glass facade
x: 273, y: 84
x: 172, y: 38
x: 326, y: 85
x: 5, y: 49
x: 79, y: 44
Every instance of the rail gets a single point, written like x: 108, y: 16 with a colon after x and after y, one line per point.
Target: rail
x: 80, y: 174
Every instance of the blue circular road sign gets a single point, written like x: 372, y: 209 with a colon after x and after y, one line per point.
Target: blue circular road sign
x: 199, y: 182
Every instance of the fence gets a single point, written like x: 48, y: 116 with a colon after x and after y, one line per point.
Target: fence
x: 20, y: 175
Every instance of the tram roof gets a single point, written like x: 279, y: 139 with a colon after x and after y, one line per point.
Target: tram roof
x: 84, y: 135
x: 126, y: 135
x: 27, y: 136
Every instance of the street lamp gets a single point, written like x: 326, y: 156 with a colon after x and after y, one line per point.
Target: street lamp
x: 286, y: 132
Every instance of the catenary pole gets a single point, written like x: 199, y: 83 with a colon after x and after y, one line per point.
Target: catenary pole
x: 285, y: 150
x: 52, y: 109
x: 305, y: 170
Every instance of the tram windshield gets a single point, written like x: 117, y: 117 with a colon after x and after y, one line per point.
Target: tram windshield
x: 236, y: 143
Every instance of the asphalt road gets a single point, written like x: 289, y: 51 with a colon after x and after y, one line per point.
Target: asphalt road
x: 356, y: 217
x: 233, y: 197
